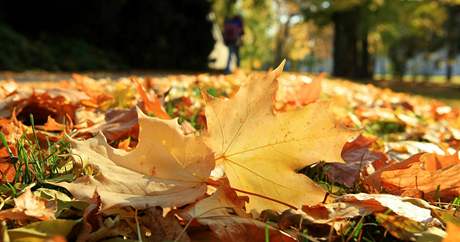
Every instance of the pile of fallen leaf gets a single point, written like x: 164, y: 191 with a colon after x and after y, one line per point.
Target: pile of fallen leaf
x: 225, y: 158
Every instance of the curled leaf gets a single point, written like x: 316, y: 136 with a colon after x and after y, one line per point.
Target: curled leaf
x: 166, y: 169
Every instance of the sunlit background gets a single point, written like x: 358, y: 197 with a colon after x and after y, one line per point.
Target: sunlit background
x: 392, y: 39
x: 397, y: 40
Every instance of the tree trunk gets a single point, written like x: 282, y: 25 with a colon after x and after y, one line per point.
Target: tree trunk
x: 364, y: 65
x: 398, y: 62
x: 453, y: 37
x: 344, y: 49
x: 350, y: 53
x: 449, y: 67
x: 283, y: 35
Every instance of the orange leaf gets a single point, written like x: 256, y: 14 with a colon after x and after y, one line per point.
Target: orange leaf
x: 427, y: 175
x: 7, y: 171
x: 298, y: 92
x: 151, y: 104
x: 52, y: 125
x: 433, y: 162
x: 310, y: 92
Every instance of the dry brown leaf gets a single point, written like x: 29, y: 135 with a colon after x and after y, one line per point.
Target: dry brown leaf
x: 29, y: 206
x: 163, y: 228
x: 401, y: 227
x: 223, y: 212
x: 166, y: 169
x: 362, y: 204
x: 52, y: 125
x: 425, y: 175
x: 218, y: 204
x: 262, y: 151
x: 358, y: 155
x: 59, y: 103
x: 91, y: 218
x: 119, y: 124
x: 360, y: 150
x: 406, y: 229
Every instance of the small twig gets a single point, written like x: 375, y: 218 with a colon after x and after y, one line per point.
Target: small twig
x: 138, y: 227
x: 325, y: 197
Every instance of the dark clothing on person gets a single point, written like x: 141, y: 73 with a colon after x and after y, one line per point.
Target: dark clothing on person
x: 233, y: 31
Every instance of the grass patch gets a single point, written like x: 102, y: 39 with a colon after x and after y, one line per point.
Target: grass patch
x: 382, y: 128
x: 36, y: 161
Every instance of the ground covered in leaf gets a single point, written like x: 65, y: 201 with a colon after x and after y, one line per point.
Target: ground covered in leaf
x: 244, y: 157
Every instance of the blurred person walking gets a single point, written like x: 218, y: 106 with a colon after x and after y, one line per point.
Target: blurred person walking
x: 233, y: 32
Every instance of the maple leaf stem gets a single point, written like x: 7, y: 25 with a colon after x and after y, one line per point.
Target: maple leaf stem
x: 217, y: 184
x: 265, y: 197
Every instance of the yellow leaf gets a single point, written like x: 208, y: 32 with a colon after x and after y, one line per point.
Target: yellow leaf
x: 166, y: 169
x: 261, y: 151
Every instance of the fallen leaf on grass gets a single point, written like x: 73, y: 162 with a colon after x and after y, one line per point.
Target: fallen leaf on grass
x: 11, y: 129
x: 409, y: 230
x: 261, y: 151
x: 28, y: 206
x: 163, y: 228
x: 295, y: 221
x: 425, y: 175
x: 382, y: 202
x: 358, y: 156
x: 91, y: 218
x: 166, y: 169
x: 360, y: 150
x: 405, y: 218
x: 223, y: 212
x: 218, y: 204
x: 119, y: 124
x: 353, y: 205
x: 56, y: 102
x: 103, y: 228
x: 7, y: 170
x: 51, y: 125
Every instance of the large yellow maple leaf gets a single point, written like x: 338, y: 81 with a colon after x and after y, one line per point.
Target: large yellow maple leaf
x: 261, y: 151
